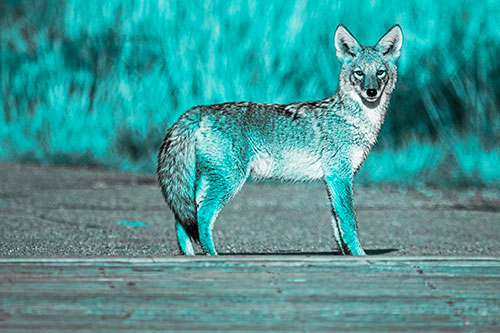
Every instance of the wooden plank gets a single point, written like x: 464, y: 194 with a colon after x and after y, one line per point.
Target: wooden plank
x: 287, y: 293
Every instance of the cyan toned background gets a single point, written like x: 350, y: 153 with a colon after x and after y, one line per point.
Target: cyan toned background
x: 97, y: 83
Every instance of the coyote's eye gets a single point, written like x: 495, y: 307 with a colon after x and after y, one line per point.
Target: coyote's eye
x: 359, y: 74
x: 380, y: 73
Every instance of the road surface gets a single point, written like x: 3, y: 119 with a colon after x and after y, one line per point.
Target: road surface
x: 61, y: 211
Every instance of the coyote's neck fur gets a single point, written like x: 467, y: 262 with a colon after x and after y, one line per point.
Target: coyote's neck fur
x: 368, y: 118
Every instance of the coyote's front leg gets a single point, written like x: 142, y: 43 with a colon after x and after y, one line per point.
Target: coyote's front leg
x: 344, y: 222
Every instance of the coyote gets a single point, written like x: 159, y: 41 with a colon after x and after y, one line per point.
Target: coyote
x: 208, y: 154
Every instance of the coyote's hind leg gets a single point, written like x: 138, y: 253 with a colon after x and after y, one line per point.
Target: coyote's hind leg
x: 212, y: 194
x: 183, y: 240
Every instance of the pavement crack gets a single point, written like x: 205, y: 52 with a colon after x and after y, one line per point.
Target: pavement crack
x: 105, y: 208
x: 56, y: 220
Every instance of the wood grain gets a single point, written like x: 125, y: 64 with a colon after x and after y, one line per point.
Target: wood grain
x: 277, y: 293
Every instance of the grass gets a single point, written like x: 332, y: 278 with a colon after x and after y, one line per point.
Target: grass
x: 97, y: 83
x: 463, y: 162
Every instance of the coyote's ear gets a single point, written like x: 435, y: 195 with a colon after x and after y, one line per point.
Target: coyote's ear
x: 346, y: 45
x: 390, y: 43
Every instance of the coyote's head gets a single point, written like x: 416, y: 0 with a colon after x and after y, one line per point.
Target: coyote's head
x: 368, y: 73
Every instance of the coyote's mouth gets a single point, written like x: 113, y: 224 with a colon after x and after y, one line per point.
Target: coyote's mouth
x: 371, y: 102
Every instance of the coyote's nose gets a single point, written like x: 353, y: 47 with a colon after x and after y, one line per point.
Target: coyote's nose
x: 371, y: 92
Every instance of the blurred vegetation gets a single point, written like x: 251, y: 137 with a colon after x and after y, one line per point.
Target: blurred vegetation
x: 97, y: 83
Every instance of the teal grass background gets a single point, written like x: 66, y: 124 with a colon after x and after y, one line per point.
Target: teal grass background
x: 97, y: 83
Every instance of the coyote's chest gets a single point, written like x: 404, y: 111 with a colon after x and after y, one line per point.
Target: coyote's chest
x: 294, y: 164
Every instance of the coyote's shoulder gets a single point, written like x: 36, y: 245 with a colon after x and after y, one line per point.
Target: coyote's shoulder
x: 212, y: 149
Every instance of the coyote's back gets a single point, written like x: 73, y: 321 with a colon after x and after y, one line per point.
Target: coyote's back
x: 208, y: 154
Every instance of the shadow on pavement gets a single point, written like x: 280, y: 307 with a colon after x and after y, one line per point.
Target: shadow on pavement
x: 300, y: 253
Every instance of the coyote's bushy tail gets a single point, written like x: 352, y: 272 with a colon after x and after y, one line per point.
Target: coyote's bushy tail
x: 177, y: 172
